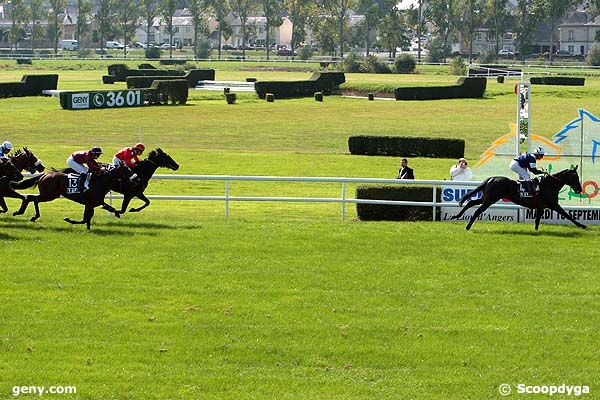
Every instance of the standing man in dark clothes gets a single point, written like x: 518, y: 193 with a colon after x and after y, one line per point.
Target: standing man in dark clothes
x: 405, y: 171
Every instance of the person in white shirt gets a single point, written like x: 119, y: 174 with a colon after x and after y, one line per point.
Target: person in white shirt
x: 461, y: 171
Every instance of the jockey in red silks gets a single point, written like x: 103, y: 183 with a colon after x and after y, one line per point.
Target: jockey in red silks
x: 78, y: 158
x: 129, y: 156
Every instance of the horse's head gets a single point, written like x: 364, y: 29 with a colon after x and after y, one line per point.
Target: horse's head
x: 162, y: 159
x: 9, y: 170
x: 571, y: 178
x: 32, y: 163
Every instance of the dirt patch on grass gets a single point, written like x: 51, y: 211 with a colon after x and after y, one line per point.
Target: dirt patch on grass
x: 365, y: 93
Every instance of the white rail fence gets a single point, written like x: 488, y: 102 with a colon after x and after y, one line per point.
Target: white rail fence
x: 343, y: 200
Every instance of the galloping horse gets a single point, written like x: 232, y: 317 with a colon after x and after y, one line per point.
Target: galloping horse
x: 500, y: 187
x: 54, y: 184
x: 22, y: 160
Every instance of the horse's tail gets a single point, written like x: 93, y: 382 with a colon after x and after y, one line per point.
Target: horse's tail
x: 472, y: 192
x: 27, y: 183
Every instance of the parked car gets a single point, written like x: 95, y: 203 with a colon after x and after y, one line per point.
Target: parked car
x: 563, y: 53
x: 506, y: 53
x: 111, y: 44
x: 284, y: 51
x: 168, y: 46
x: 227, y: 47
x: 140, y: 45
x: 245, y: 47
x: 69, y: 45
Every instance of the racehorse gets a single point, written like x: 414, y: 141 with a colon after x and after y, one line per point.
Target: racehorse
x: 144, y: 171
x: 22, y: 160
x: 54, y: 184
x: 500, y: 187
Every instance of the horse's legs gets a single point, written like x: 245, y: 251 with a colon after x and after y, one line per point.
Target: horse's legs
x: 36, y: 204
x: 470, y: 204
x: 88, y: 214
x: 126, y: 200
x: 111, y: 209
x: 3, y: 205
x: 538, y: 217
x: 144, y: 199
x: 486, y: 204
x: 71, y: 221
x: 24, y: 205
x: 561, y: 211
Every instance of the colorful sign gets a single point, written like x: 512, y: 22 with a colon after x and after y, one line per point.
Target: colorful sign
x: 102, y: 99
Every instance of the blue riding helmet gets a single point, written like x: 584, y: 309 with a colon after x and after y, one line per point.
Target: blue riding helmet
x: 96, y: 150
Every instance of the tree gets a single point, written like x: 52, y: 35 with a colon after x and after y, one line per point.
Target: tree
x: 472, y: 18
x: 555, y: 10
x: 528, y: 14
x: 168, y: 8
x: 495, y: 20
x: 149, y: 11
x: 272, y: 10
x: 54, y: 31
x: 200, y: 25
x: 35, y: 13
x: 370, y: 9
x: 18, y: 16
x: 339, y: 9
x: 391, y: 28
x: 243, y: 8
x: 128, y: 12
x: 299, y: 14
x: 84, y: 9
x: 104, y: 17
x: 443, y: 14
x: 221, y: 10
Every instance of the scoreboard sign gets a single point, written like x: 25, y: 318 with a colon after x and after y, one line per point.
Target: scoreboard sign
x: 102, y: 99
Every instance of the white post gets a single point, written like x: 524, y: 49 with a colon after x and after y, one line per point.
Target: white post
x: 227, y: 199
x: 343, y: 201
x: 434, y: 202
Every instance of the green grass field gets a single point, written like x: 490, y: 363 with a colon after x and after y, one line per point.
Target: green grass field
x: 284, y: 301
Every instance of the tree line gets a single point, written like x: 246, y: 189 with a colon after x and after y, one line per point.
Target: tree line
x: 381, y: 22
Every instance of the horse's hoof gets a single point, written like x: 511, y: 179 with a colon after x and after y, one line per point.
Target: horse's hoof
x: 118, y: 214
x: 16, y: 213
x: 32, y: 219
x: 133, y: 210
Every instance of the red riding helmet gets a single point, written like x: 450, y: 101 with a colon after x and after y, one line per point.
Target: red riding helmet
x: 140, y: 147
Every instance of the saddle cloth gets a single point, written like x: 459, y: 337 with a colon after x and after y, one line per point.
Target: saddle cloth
x: 73, y: 183
x: 528, y: 188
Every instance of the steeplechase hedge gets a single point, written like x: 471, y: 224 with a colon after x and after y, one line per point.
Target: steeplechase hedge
x: 381, y: 212
x: 146, y: 66
x: 121, y: 72
x: 30, y: 85
x: 192, y: 77
x: 326, y: 82
x: 466, y: 88
x: 165, y: 91
x: 399, y: 146
x: 557, y: 80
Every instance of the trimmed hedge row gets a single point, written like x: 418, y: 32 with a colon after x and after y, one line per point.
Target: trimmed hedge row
x: 30, y: 85
x: 191, y: 77
x: 325, y: 82
x: 379, y: 212
x: 163, y: 91
x: 146, y: 66
x: 557, y: 80
x: 121, y: 72
x: 396, y: 146
x: 172, y: 61
x: 466, y: 88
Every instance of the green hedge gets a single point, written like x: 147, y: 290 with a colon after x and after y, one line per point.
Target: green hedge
x: 192, y: 77
x: 464, y: 89
x: 122, y: 71
x: 325, y: 82
x: 146, y: 66
x: 557, y: 80
x: 406, y: 146
x: 30, y: 85
x: 379, y: 212
x: 163, y: 91
x: 172, y: 61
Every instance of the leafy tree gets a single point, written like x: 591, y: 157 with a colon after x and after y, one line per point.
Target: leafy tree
x: 300, y: 13
x: 200, y: 24
x: 54, y: 31
x: 444, y: 15
x: 104, y: 17
x: 84, y: 9
x: 18, y: 16
x: 472, y: 19
x: 495, y: 19
x: 272, y: 10
x: 128, y: 12
x: 528, y: 14
x: 221, y: 9
x: 371, y: 10
x: 243, y: 9
x: 168, y: 8
x: 555, y: 10
x: 149, y: 11
x: 35, y: 13
x: 339, y: 10
x: 392, y: 28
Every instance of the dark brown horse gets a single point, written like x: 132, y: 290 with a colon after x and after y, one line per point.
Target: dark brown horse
x: 22, y: 160
x: 54, y: 184
x: 144, y: 171
x: 501, y: 187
